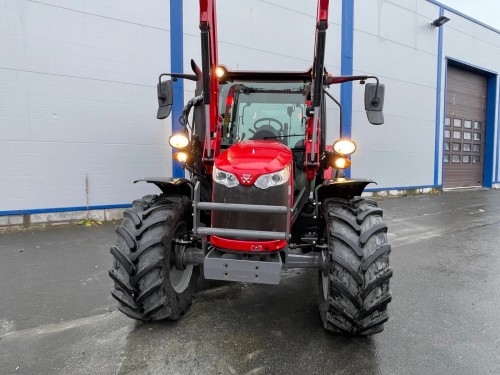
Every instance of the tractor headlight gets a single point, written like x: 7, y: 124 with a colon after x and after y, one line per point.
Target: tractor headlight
x: 273, y: 179
x: 178, y: 140
x: 181, y: 156
x: 225, y: 178
x: 341, y: 163
x: 344, y: 147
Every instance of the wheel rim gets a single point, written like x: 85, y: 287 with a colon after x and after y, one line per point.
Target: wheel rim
x: 180, y: 278
x: 324, y: 279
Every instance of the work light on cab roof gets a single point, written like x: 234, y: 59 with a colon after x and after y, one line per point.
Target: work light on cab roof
x: 220, y: 71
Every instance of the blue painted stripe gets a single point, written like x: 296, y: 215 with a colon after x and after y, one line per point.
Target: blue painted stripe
x: 177, y: 66
x: 441, y: 183
x: 62, y: 209
x: 444, y: 115
x: 464, y: 15
x: 373, y: 190
x: 489, y: 147
x: 497, y: 176
x: 437, y: 142
x: 470, y: 67
x: 347, y: 50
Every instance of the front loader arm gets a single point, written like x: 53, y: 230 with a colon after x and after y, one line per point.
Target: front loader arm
x: 209, y: 53
x: 313, y: 130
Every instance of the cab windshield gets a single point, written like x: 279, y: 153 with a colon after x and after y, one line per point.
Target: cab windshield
x: 270, y: 110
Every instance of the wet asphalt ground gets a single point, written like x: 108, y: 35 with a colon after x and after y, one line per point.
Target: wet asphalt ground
x: 57, y: 315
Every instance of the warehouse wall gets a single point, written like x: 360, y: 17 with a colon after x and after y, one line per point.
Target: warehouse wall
x: 78, y: 98
x: 78, y: 77
x: 466, y: 42
x: 394, y: 40
x: 78, y: 89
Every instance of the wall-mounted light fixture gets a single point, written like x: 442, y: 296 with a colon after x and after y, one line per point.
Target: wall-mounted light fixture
x: 440, y: 21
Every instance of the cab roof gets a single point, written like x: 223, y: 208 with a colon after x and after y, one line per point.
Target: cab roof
x: 266, y: 76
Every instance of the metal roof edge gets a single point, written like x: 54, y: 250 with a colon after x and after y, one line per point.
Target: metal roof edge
x: 448, y: 8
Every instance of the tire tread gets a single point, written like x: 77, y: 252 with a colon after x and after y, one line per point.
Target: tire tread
x: 358, y: 266
x: 141, y: 259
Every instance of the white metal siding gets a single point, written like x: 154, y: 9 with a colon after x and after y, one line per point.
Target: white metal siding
x: 394, y: 41
x: 77, y: 98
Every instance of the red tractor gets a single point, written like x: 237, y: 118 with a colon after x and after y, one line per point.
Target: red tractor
x: 265, y: 193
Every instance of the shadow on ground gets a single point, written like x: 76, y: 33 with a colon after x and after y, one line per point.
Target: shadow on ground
x: 248, y: 329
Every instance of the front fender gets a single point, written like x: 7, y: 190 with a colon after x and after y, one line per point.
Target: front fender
x: 171, y: 185
x: 346, y: 188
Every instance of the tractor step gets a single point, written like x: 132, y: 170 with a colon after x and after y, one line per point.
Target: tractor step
x: 249, y: 268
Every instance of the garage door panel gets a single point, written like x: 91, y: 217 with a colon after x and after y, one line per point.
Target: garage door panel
x: 463, y: 152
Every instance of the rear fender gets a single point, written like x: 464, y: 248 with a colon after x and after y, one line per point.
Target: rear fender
x: 346, y: 188
x: 170, y: 185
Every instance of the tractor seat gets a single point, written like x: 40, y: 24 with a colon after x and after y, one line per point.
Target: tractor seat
x: 264, y: 134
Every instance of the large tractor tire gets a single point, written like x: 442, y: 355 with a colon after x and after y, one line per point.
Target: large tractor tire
x: 148, y: 286
x: 354, y: 287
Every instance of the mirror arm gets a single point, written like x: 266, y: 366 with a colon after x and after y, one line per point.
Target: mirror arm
x: 342, y: 79
x: 341, y: 115
x: 375, y: 100
x: 191, y: 77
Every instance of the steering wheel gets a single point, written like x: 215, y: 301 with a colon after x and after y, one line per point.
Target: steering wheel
x: 267, y: 126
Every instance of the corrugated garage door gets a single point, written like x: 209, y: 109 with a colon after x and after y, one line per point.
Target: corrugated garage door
x: 464, y: 129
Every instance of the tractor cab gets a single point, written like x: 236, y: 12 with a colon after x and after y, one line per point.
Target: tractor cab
x: 264, y: 110
x: 270, y: 111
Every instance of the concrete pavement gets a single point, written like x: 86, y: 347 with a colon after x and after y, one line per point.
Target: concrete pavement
x: 57, y: 315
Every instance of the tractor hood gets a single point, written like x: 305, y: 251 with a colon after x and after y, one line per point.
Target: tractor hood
x: 250, y: 159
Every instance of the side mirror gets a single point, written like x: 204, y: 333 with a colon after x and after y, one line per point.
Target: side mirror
x: 374, y: 103
x: 165, y: 99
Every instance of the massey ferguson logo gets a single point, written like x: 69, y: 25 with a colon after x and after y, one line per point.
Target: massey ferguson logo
x: 246, y: 178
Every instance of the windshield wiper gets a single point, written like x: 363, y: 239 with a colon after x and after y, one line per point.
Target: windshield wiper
x: 251, y: 90
x: 286, y: 136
